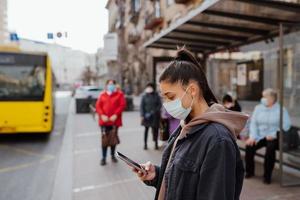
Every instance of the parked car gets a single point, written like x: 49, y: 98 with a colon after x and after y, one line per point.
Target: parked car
x: 86, y: 96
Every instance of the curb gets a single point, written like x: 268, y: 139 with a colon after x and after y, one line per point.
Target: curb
x: 63, y: 182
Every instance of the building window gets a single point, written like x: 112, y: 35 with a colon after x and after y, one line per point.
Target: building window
x: 135, y: 5
x: 157, y: 10
x: 170, y: 2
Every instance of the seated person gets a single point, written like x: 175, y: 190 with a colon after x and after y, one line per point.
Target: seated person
x: 264, y: 126
x: 231, y: 104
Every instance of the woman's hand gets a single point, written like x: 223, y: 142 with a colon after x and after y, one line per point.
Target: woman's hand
x: 113, y: 118
x: 270, y: 138
x: 151, y: 174
x: 250, y: 142
x: 104, y: 118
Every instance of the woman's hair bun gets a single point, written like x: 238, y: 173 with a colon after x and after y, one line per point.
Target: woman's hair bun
x: 185, y: 55
x: 185, y: 68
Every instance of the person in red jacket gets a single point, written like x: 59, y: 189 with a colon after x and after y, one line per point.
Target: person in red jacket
x: 109, y: 106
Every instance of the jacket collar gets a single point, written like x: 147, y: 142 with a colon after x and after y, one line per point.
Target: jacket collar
x: 110, y: 94
x: 197, y: 128
x: 193, y: 130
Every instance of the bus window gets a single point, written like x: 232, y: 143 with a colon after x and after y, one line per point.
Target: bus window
x: 22, y: 82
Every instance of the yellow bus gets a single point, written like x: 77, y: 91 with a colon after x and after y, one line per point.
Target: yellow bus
x: 26, y: 87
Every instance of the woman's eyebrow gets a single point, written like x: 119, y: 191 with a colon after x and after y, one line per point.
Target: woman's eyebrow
x: 167, y: 93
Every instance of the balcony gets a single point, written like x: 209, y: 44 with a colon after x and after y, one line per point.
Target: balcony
x: 182, y: 1
x: 133, y: 38
x: 153, y: 21
x: 134, y: 17
x: 134, y: 12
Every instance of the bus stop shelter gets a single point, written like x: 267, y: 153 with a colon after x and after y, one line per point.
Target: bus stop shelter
x: 225, y: 25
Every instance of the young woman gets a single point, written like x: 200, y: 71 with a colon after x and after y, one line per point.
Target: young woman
x: 202, y: 159
x: 109, y: 106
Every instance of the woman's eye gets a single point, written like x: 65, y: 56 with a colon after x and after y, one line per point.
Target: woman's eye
x: 167, y: 98
x: 171, y: 98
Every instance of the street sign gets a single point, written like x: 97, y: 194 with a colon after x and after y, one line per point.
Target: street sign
x: 14, y: 37
x: 110, y: 46
x: 50, y: 36
x: 59, y: 34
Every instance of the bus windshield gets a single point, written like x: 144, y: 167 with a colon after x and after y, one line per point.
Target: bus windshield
x: 22, y: 82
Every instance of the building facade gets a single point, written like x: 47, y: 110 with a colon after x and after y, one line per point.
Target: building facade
x: 69, y: 66
x: 134, y: 22
x: 244, y: 73
x: 3, y: 22
x: 101, y: 68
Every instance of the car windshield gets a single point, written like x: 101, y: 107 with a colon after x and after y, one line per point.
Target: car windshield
x: 89, y: 89
x: 95, y: 89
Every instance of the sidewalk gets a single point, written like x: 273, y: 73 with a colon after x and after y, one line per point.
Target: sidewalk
x: 113, y: 181
x: 116, y: 181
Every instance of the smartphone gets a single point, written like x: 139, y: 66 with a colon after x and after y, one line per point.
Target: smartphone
x: 131, y: 163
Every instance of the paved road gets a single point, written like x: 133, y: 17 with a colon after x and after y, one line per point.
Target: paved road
x: 28, y: 162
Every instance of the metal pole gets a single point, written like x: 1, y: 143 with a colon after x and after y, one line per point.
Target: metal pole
x: 154, y: 62
x: 281, y: 88
x: 204, y: 63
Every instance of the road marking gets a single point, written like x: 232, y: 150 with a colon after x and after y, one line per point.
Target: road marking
x: 87, y: 134
x: 127, y: 130
x: 22, y: 166
x: 43, y: 158
x: 28, y: 152
x: 16, y: 167
x: 78, y: 152
x: 56, y: 133
x: 100, y: 186
x: 131, y: 130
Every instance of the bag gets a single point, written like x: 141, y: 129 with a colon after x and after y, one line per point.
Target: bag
x: 164, y: 130
x: 291, y: 139
x: 109, y: 136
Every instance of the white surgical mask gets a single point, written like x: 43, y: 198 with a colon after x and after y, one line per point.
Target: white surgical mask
x: 228, y: 105
x: 149, y: 90
x: 111, y: 88
x: 264, y: 101
x: 176, y: 110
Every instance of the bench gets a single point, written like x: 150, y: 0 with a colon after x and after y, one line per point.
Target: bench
x: 291, y: 158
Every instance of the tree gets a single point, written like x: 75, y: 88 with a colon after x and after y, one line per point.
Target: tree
x: 88, y: 76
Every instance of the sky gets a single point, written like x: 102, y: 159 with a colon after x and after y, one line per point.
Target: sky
x: 85, y: 21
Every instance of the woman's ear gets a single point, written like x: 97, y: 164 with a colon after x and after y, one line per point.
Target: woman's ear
x: 194, y: 89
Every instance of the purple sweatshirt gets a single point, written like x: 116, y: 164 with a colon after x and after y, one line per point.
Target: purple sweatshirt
x: 173, y: 123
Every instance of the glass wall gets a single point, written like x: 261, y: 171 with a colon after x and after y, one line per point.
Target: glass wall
x: 291, y: 94
x: 269, y: 58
